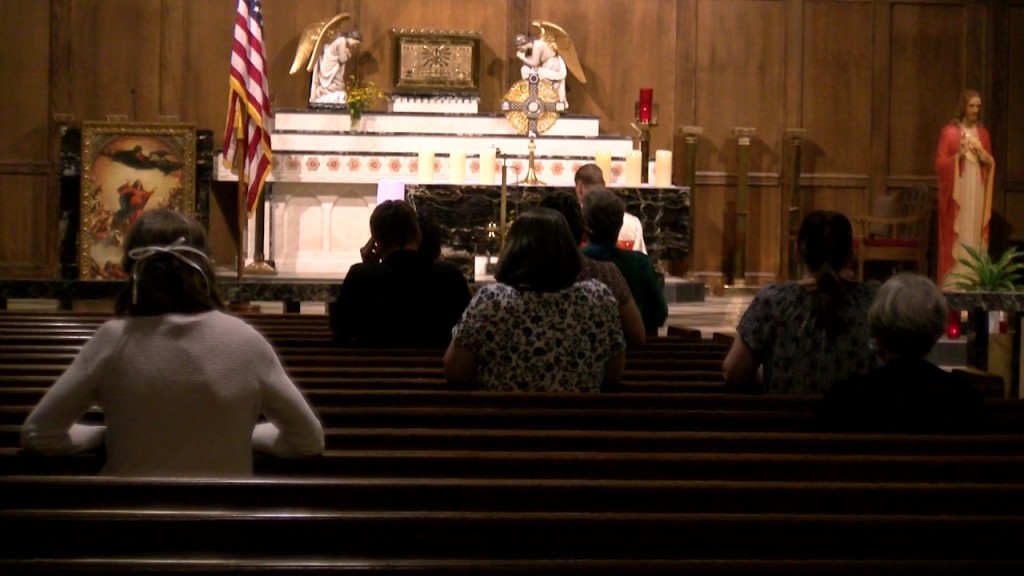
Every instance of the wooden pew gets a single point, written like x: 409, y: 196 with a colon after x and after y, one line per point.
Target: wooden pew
x: 298, y: 534
x: 514, y: 495
x: 423, y: 463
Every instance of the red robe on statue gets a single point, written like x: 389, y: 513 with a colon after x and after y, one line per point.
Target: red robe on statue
x: 946, y: 159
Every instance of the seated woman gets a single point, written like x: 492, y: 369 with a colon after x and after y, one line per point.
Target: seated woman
x: 537, y: 329
x: 908, y: 393
x: 605, y: 272
x: 810, y: 333
x: 181, y: 383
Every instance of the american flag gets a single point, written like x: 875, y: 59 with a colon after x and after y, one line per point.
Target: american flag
x: 249, y: 93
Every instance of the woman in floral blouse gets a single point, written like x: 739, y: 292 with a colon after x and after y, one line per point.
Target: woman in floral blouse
x: 536, y: 329
x: 813, y: 332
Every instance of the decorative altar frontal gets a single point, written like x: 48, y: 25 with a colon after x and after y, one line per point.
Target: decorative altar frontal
x: 468, y: 215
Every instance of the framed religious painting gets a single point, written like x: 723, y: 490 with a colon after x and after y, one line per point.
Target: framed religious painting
x: 127, y: 170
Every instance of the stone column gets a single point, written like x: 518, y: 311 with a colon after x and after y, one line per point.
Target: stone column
x: 740, y: 240
x: 792, y: 203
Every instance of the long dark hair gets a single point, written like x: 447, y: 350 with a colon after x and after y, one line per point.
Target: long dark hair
x: 825, y: 242
x: 540, y: 254
x: 167, y: 258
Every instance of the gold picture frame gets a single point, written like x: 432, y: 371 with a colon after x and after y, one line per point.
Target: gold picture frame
x: 129, y: 168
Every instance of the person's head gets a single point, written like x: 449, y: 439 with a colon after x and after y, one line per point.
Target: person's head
x: 588, y: 177
x: 540, y: 254
x: 393, y: 226
x: 167, y: 258
x: 430, y: 237
x: 968, y: 108
x: 355, y: 37
x: 602, y: 211
x: 825, y: 239
x: 568, y: 206
x: 908, y: 316
x: 825, y: 243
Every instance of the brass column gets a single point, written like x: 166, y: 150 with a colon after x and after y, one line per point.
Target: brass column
x: 791, y: 205
x: 740, y: 240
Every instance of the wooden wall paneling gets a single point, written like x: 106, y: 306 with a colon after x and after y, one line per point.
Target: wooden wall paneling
x: 27, y: 219
x: 837, y: 87
x: 25, y: 52
x: 740, y: 81
x: 196, y: 48
x: 1014, y: 112
x: 927, y: 73
x: 618, y: 63
x: 1010, y: 132
x: 26, y: 227
x: 115, y: 58
x: 489, y: 18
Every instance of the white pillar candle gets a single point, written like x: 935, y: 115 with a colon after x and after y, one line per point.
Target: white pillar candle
x: 487, y: 158
x: 633, y: 161
x: 426, y: 167
x: 603, y: 159
x: 457, y: 166
x: 663, y: 168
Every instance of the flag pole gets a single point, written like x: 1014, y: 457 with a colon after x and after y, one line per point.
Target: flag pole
x: 240, y: 151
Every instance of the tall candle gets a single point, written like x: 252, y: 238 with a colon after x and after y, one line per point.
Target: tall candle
x: 646, y: 103
x: 633, y: 161
x: 426, y: 166
x: 457, y: 166
x: 487, y: 157
x: 603, y: 159
x: 663, y: 168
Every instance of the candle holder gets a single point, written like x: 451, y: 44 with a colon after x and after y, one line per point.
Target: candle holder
x: 646, y: 116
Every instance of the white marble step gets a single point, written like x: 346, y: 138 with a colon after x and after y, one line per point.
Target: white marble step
x: 424, y: 123
x: 443, y: 144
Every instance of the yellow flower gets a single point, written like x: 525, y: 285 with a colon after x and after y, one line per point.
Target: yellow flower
x: 361, y: 95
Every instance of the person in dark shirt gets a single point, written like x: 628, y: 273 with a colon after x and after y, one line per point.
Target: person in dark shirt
x: 398, y: 297
x: 603, y: 211
x: 907, y: 393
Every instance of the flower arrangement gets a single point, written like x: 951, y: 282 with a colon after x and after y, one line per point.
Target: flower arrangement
x: 360, y: 96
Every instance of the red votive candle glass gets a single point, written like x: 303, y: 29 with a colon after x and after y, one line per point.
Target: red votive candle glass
x: 646, y: 103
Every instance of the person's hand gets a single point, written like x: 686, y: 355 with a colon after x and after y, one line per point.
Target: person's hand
x: 369, y: 252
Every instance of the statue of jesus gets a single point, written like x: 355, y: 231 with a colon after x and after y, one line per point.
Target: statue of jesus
x: 965, y: 169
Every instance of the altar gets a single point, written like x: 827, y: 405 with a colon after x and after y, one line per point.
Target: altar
x: 326, y: 176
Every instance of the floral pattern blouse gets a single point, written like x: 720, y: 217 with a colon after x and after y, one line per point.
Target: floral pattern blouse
x: 542, y: 341
x: 778, y: 327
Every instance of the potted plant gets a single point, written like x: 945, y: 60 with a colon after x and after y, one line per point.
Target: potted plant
x: 360, y: 96
x: 986, y: 275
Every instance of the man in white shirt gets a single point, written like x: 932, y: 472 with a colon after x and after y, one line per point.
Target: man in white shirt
x: 631, y: 236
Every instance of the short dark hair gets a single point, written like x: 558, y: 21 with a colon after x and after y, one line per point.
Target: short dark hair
x: 430, y: 237
x: 603, y: 212
x: 590, y: 175
x: 393, y: 224
x: 569, y: 207
x: 540, y: 254
x: 166, y: 255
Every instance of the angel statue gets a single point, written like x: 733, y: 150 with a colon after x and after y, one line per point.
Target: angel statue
x: 549, y: 56
x: 324, y: 50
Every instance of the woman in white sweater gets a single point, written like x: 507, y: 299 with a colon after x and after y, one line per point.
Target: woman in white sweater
x: 181, y: 383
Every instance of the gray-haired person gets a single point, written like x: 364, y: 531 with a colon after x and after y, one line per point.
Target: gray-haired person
x: 907, y: 393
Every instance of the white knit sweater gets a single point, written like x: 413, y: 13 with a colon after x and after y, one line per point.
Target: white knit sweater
x: 181, y: 395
